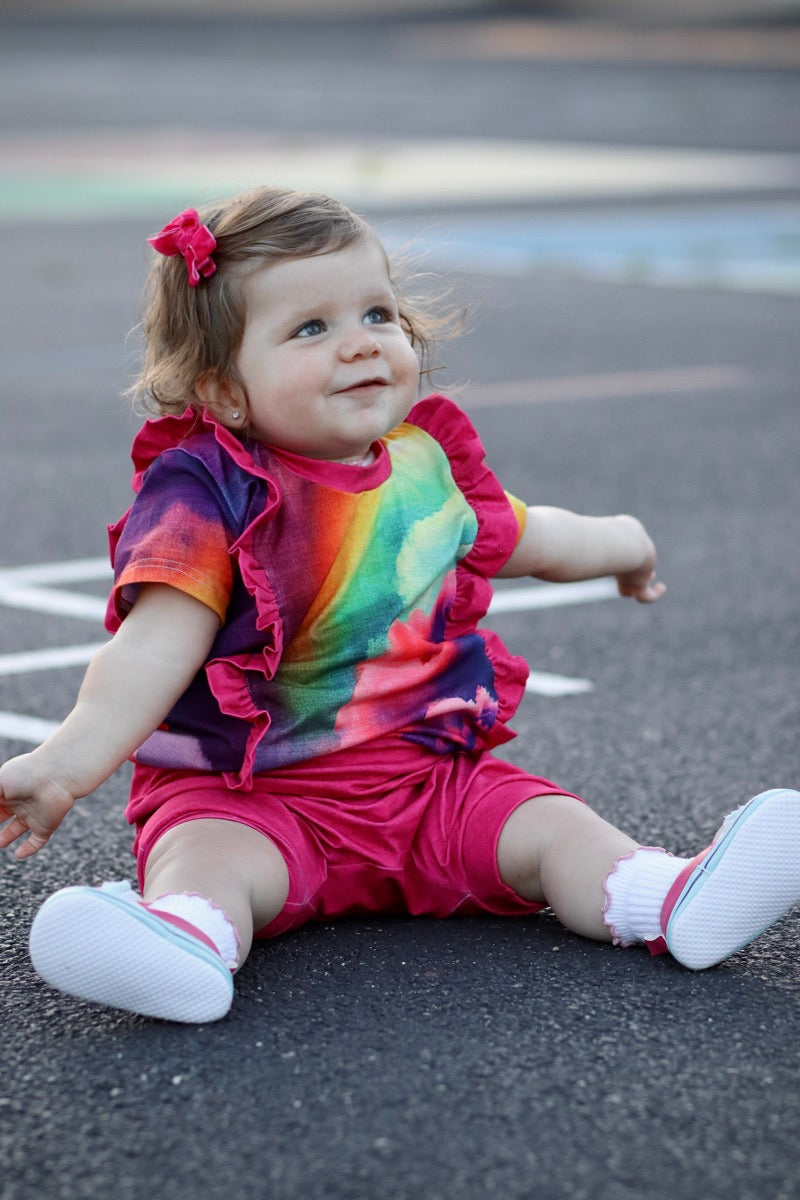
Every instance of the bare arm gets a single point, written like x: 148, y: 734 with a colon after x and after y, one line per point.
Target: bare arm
x: 129, y: 687
x: 562, y: 547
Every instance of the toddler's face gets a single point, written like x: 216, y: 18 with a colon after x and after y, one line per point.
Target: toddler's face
x: 326, y: 366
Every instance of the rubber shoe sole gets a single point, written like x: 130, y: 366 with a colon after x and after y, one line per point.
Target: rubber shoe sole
x: 92, y: 943
x: 746, y: 880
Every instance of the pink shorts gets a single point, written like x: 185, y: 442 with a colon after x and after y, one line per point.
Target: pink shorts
x: 389, y: 828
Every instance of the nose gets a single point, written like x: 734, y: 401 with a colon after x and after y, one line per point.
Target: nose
x: 359, y: 343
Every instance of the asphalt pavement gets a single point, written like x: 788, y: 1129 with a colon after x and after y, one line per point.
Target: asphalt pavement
x: 623, y: 226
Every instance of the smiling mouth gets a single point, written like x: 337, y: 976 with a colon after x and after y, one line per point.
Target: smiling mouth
x: 364, y: 385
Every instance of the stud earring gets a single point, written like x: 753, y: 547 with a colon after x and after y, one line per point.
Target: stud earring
x: 236, y: 415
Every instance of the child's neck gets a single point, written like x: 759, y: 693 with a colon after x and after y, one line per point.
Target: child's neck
x: 361, y: 460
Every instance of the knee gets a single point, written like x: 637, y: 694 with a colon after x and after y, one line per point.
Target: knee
x: 231, y: 863
x: 526, y: 836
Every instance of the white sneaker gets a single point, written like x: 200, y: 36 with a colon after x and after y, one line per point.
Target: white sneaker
x: 741, y: 884
x: 105, y: 945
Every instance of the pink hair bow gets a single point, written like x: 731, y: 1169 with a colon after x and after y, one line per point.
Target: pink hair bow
x: 185, y: 235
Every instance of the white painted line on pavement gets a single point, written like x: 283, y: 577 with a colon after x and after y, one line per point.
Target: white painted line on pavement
x: 553, y: 595
x: 26, y: 588
x: 57, y: 572
x: 48, y: 660
x: 52, y: 600
x: 26, y: 729
x: 15, y: 591
x: 543, y: 683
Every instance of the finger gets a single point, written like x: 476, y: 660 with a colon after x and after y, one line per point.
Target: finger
x: 652, y: 592
x: 15, y: 829
x: 31, y: 845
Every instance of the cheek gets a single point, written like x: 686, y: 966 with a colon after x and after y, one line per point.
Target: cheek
x: 408, y: 361
x: 278, y: 377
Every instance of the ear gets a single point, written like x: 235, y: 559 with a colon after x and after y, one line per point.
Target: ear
x: 224, y: 398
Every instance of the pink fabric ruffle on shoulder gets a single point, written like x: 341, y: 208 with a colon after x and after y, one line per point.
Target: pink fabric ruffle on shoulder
x: 497, y: 537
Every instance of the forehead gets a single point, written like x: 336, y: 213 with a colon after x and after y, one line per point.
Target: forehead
x: 358, y: 269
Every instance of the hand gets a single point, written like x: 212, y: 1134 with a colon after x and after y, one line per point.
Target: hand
x: 645, y: 588
x: 641, y: 583
x: 32, y: 802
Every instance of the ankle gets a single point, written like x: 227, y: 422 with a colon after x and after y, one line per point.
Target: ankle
x: 202, y: 917
x: 635, y: 892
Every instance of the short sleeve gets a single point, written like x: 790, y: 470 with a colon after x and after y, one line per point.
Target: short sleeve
x: 520, y: 512
x: 174, y: 533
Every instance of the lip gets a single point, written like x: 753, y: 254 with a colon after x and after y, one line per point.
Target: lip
x: 363, y: 386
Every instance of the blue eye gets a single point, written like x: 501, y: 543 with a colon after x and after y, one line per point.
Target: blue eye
x: 311, y: 328
x: 377, y: 316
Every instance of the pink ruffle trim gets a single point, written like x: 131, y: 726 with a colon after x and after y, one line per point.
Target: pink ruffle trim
x: 228, y: 676
x: 497, y: 538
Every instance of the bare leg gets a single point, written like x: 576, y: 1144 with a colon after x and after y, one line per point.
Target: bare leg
x: 556, y: 850
x: 234, y: 866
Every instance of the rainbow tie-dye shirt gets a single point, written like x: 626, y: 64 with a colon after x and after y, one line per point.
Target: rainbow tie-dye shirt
x: 348, y: 597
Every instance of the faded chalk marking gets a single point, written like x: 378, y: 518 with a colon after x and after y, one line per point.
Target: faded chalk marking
x: 131, y: 171
x: 678, y: 381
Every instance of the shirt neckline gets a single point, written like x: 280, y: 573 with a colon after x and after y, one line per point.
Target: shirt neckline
x: 345, y: 477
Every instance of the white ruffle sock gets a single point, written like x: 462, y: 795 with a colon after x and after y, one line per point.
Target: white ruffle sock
x: 206, y: 917
x: 635, y: 893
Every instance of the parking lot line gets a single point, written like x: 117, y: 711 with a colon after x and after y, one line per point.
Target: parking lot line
x: 27, y: 588
x: 47, y: 660
x: 25, y: 729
